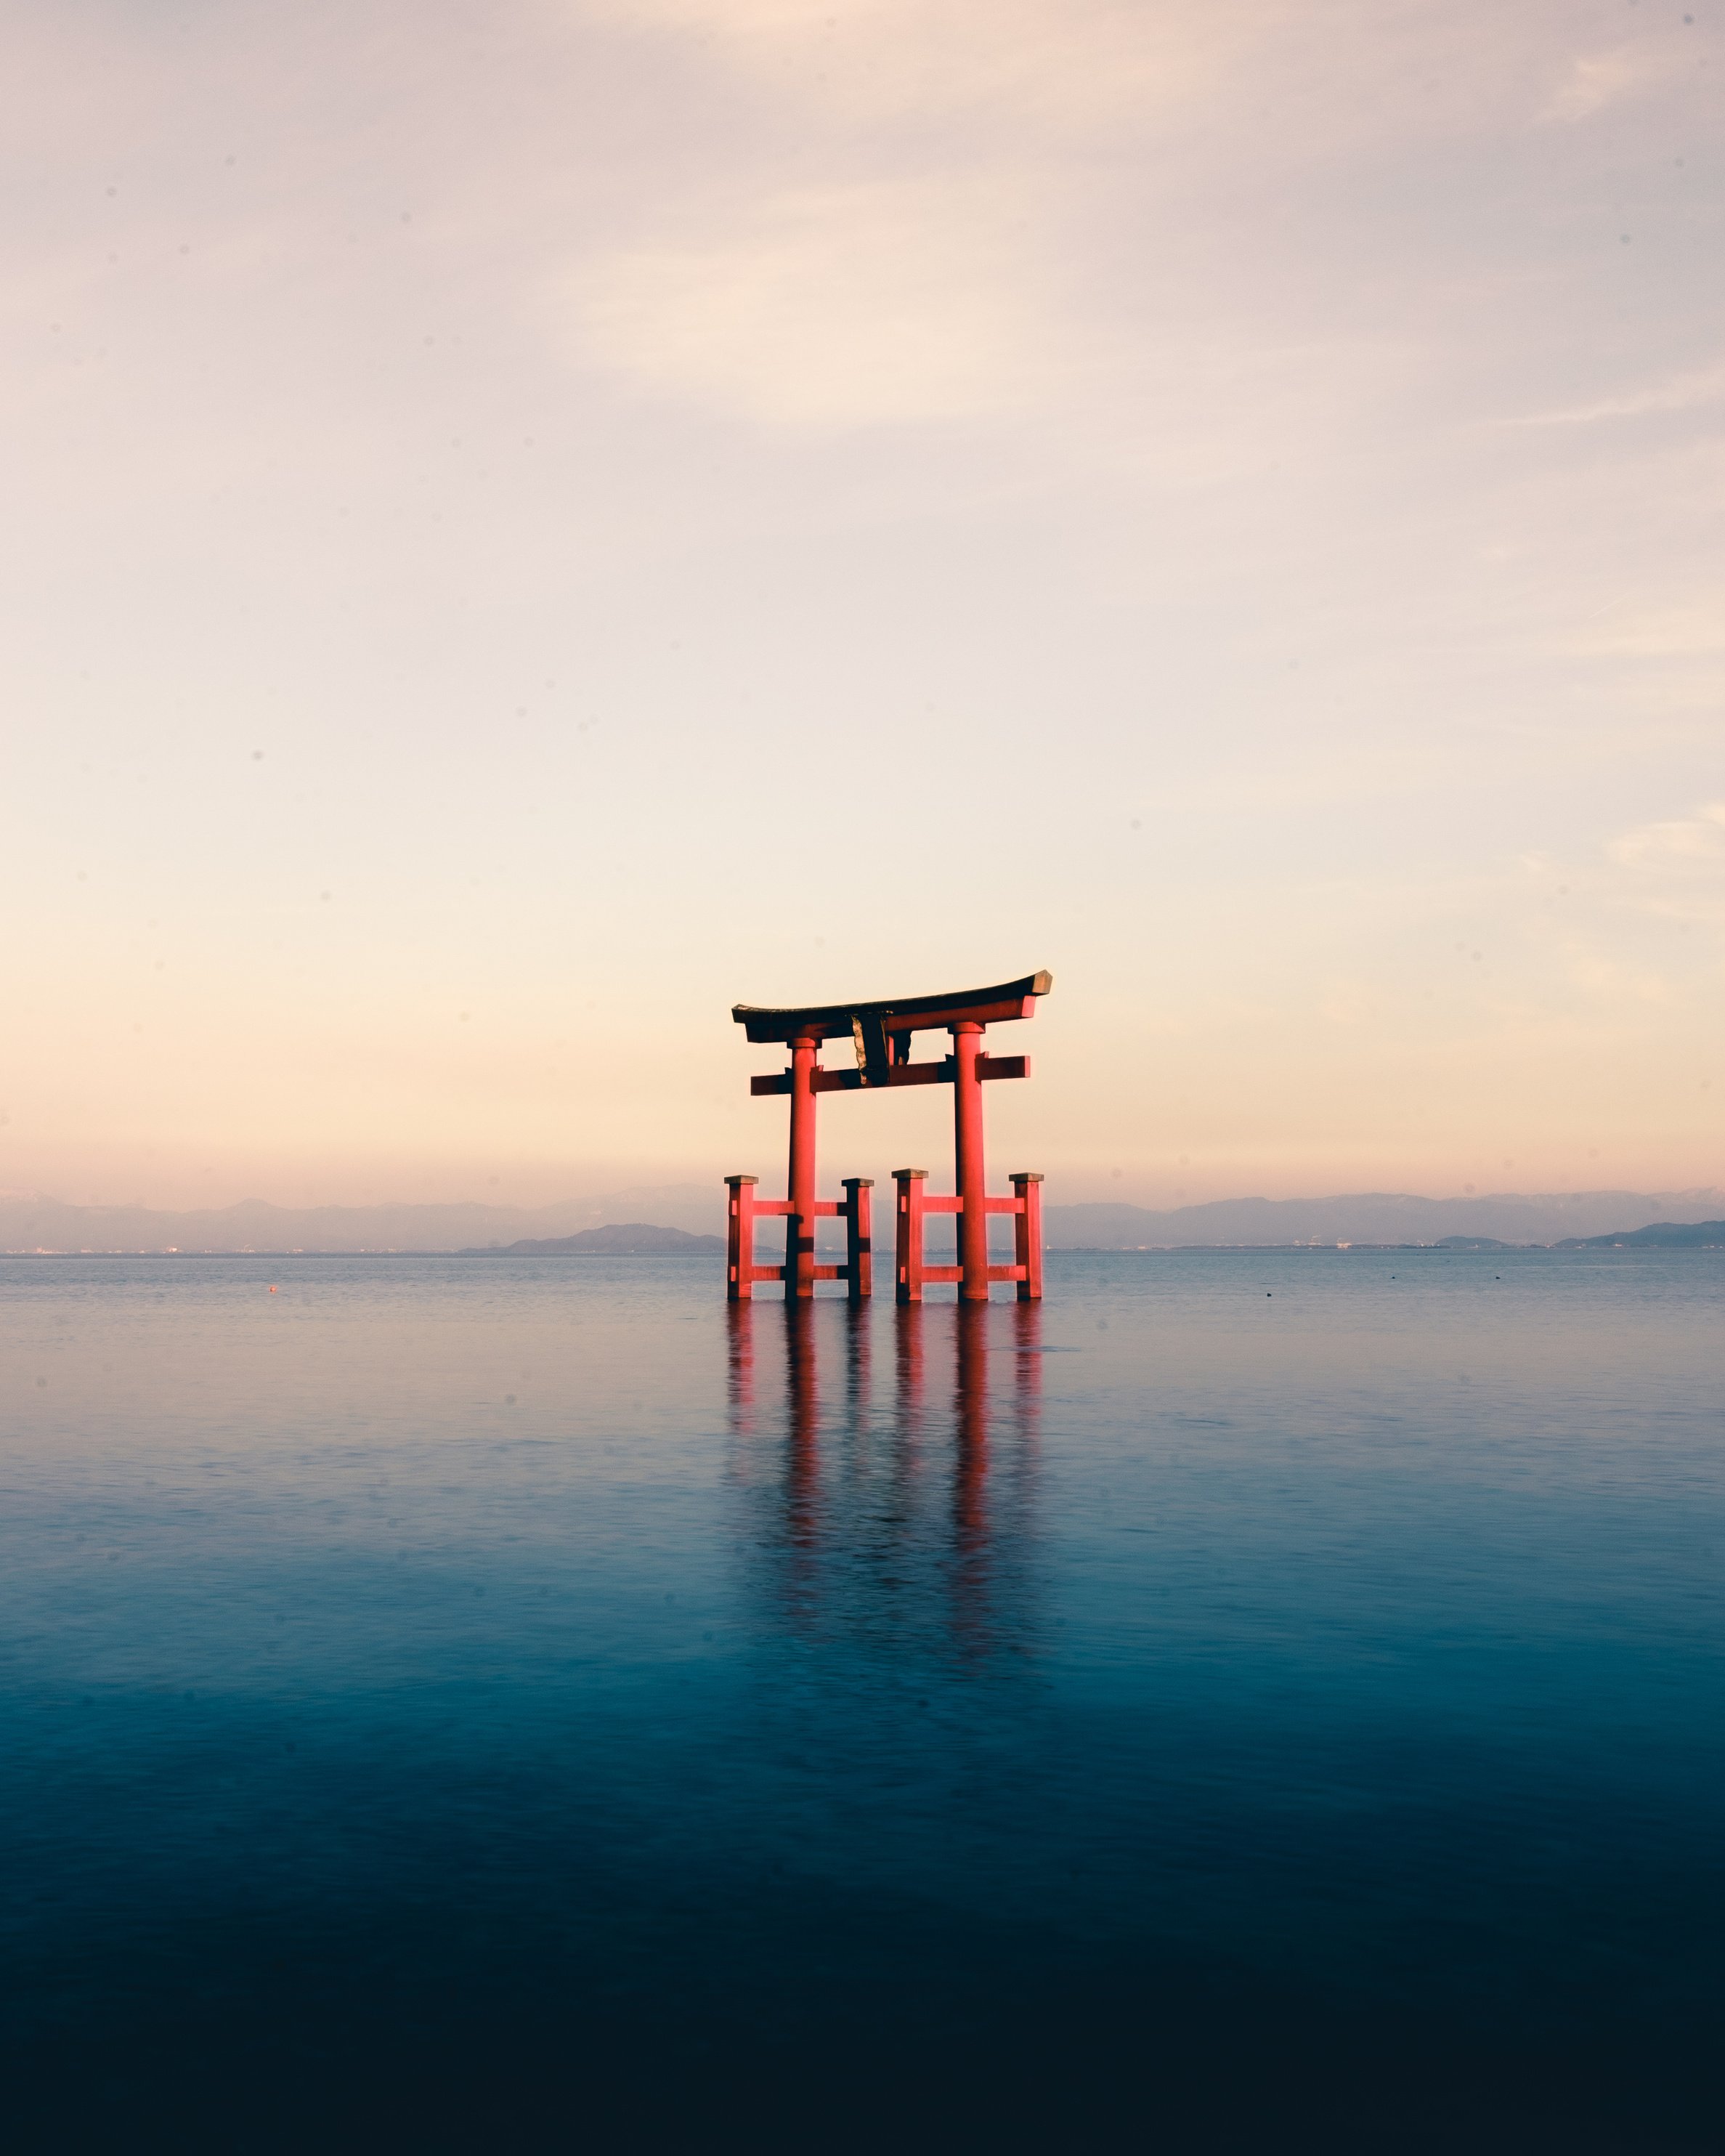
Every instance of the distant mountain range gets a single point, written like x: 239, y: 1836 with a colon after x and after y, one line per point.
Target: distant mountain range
x: 33, y: 1223
x: 625, y: 1238
x: 1662, y: 1235
x: 1374, y: 1217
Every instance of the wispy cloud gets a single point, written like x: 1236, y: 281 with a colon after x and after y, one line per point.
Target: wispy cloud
x: 1059, y: 62
x: 1596, y: 81
x: 1683, y: 843
x: 1675, y: 869
x: 888, y: 301
x: 1695, y: 629
x: 1689, y: 391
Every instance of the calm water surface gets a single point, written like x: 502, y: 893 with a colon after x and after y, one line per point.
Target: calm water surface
x: 1249, y: 1701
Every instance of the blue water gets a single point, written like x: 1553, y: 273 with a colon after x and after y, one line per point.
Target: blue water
x: 1249, y: 1702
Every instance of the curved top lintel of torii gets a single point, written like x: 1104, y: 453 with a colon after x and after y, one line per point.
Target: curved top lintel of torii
x: 896, y: 1014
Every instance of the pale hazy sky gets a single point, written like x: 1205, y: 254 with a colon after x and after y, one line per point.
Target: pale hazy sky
x: 527, y: 522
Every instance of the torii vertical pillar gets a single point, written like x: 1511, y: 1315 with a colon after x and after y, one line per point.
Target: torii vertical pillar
x: 971, y: 1176
x: 799, y: 1224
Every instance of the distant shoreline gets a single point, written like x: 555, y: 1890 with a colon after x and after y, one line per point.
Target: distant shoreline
x: 1573, y: 1247
x: 672, y: 1216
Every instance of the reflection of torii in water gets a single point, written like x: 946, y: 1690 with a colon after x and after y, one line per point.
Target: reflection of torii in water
x: 849, y: 1517
x: 882, y: 1033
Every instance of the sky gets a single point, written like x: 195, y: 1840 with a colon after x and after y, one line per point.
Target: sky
x: 531, y: 521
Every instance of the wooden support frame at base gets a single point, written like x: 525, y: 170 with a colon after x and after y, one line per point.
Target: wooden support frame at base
x: 743, y: 1210
x: 911, y: 1207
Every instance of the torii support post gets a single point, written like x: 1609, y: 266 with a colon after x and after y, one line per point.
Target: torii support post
x: 739, y: 1237
x: 1027, y: 1235
x: 742, y: 1209
x: 858, y: 1237
x: 907, y: 1217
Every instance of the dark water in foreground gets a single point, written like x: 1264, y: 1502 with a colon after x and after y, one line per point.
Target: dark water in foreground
x: 1249, y: 1702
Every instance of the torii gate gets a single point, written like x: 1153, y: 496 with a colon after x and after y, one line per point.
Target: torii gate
x: 882, y: 1033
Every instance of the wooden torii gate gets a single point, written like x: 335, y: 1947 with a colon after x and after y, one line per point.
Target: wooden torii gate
x: 882, y: 1033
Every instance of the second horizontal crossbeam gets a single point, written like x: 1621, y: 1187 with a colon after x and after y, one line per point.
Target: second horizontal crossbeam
x: 901, y: 1074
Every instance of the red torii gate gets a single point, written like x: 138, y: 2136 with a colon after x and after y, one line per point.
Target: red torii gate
x: 882, y: 1033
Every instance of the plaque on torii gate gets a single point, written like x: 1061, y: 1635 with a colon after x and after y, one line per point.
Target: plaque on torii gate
x: 881, y: 1033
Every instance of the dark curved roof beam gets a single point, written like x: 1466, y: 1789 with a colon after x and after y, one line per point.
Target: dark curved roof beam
x: 898, y: 1014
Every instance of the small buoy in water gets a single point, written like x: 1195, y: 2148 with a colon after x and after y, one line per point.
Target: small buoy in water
x: 272, y: 1290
